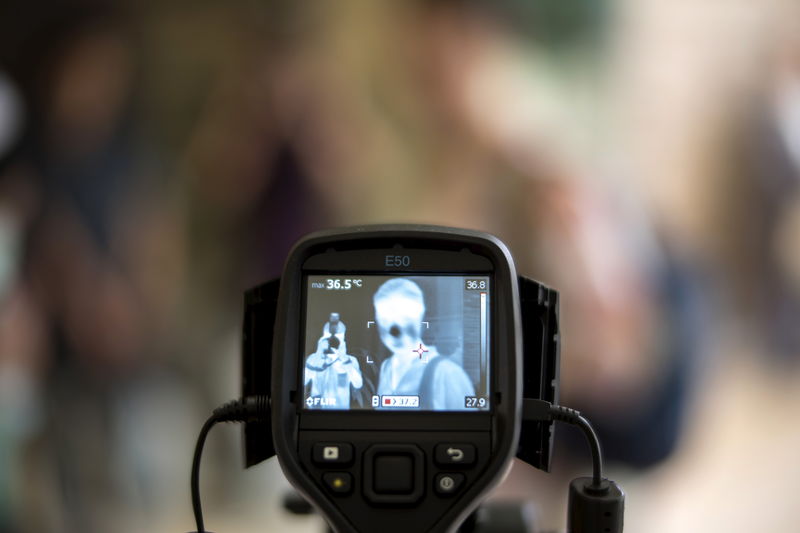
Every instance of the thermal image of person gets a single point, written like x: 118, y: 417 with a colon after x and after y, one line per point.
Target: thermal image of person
x: 331, y: 372
x: 415, y: 369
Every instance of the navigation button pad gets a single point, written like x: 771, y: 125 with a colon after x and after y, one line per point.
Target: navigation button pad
x: 394, y: 473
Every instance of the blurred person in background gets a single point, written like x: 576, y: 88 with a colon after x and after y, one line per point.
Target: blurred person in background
x: 633, y: 309
x: 764, y: 205
x: 784, y: 172
x: 20, y: 349
x: 470, y: 109
x: 90, y: 284
x: 460, y: 125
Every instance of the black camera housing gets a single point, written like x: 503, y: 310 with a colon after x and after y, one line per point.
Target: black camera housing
x: 524, y: 364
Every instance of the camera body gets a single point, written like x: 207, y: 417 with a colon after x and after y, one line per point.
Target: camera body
x: 396, y: 359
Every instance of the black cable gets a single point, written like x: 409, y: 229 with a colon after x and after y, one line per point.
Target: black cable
x: 247, y: 409
x: 594, y: 442
x: 198, y: 452
x: 545, y: 411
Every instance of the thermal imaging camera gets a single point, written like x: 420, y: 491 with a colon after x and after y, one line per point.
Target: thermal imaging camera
x: 396, y: 359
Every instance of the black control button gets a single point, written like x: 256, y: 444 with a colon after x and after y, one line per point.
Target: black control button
x: 454, y: 454
x: 393, y: 474
x: 449, y: 483
x: 335, y: 453
x: 338, y: 482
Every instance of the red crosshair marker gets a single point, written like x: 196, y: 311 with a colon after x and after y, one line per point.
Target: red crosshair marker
x: 419, y: 351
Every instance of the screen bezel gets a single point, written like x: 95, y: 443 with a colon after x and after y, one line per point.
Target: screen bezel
x: 489, y: 369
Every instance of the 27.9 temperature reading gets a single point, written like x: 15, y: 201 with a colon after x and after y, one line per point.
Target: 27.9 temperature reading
x: 471, y: 402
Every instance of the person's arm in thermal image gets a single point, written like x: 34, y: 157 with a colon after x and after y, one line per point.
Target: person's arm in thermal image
x: 314, y: 362
x: 450, y: 386
x: 347, y: 364
x: 309, y: 375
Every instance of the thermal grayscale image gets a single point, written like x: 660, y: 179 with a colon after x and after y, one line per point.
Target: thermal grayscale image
x: 391, y: 342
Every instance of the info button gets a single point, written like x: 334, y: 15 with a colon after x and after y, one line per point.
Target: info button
x: 447, y: 484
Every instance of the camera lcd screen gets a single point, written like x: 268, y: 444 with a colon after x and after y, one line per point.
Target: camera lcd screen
x: 402, y: 343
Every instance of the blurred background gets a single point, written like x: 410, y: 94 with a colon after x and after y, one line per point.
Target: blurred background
x: 158, y: 158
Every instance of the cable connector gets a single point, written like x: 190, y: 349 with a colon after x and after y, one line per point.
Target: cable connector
x: 248, y: 409
x: 544, y: 411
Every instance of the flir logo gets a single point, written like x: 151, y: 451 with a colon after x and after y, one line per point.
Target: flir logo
x: 322, y: 402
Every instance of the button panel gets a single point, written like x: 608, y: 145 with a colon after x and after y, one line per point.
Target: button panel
x: 372, y: 473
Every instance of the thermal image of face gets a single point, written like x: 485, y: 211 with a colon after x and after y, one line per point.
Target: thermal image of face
x: 399, y: 311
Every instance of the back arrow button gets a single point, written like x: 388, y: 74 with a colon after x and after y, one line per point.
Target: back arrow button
x: 454, y: 454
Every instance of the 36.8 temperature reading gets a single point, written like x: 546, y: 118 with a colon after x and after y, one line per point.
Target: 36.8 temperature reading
x: 476, y: 284
x: 473, y: 402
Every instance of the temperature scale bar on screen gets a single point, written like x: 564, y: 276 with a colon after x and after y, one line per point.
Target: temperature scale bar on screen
x: 483, y: 331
